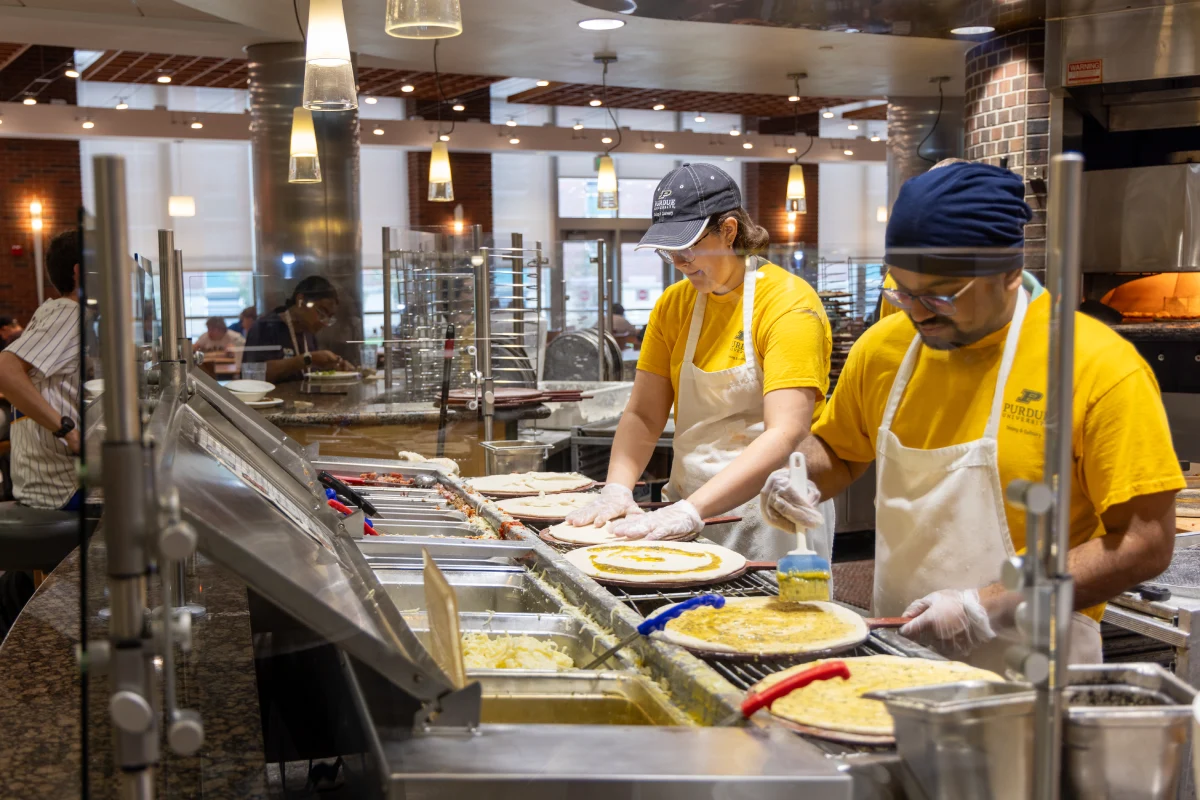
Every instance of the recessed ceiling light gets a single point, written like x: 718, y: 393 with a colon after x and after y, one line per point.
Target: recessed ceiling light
x: 827, y: 114
x: 514, y: 140
x: 594, y: 102
x: 847, y: 152
x: 735, y: 132
x: 875, y: 138
x: 700, y: 118
x: 458, y: 107
x: 30, y: 101
x: 729, y: 158
x: 408, y: 87
x: 606, y: 140
x: 748, y: 145
x: 659, y: 145
x: 543, y: 83
x: 972, y: 30
x: 445, y: 137
x: 197, y: 124
x: 88, y: 124
x: 370, y: 100
x: 601, y: 24
x: 659, y: 106
x: 578, y: 126
x: 793, y: 98
x: 163, y: 79
x: 121, y: 106
x: 512, y: 123
x: 378, y: 131
x: 851, y: 30
x: 72, y: 73
x: 791, y: 151
x: 852, y: 127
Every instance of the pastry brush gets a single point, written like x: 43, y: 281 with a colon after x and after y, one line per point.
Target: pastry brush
x: 802, y: 574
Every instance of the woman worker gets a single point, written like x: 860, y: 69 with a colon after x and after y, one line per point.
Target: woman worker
x: 740, y: 349
x: 286, y: 338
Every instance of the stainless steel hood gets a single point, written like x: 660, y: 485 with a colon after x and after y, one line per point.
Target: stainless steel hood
x: 1142, y: 220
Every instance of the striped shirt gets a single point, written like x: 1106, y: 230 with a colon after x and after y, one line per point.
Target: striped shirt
x: 43, y: 468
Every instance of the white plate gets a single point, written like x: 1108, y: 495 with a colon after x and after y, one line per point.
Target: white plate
x: 332, y: 376
x: 250, y: 391
x: 270, y: 402
x: 94, y: 387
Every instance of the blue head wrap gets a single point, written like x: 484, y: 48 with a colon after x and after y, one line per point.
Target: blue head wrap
x: 959, y: 220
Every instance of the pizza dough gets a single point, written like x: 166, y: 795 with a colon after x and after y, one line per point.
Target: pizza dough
x: 766, y: 626
x: 657, y: 562
x: 546, y: 506
x: 447, y: 465
x: 585, y: 534
x: 531, y: 482
x: 837, y: 705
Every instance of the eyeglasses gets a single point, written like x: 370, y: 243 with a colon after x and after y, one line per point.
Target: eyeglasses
x: 685, y: 256
x: 941, y: 304
x: 325, y: 318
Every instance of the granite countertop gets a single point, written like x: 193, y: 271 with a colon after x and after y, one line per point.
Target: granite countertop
x: 365, y: 402
x: 40, y: 745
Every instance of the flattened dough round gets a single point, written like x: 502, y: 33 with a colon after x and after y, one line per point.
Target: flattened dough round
x: 585, y: 534
x: 766, y: 626
x: 548, y: 506
x: 838, y: 705
x: 657, y: 562
x: 531, y: 482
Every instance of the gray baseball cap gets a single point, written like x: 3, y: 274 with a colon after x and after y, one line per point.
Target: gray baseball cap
x: 685, y: 201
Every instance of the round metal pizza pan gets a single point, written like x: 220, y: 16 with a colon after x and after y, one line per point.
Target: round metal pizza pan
x: 505, y: 495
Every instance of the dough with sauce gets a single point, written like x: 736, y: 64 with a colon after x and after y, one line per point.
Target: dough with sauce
x: 657, y: 562
x: 838, y: 705
x: 548, y: 506
x: 766, y: 626
x: 531, y: 482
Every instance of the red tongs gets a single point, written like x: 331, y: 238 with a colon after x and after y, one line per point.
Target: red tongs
x: 756, y: 700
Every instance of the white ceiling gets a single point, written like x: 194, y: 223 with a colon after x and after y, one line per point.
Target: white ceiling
x: 520, y: 38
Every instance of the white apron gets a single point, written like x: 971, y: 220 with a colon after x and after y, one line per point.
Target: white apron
x: 939, y: 516
x: 718, y: 415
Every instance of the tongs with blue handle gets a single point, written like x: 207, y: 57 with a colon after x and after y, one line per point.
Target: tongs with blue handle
x: 658, y: 622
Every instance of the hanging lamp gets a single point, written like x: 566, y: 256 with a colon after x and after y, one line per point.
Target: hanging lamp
x: 179, y: 205
x: 423, y: 19
x: 328, y: 72
x: 441, y: 182
x: 796, y: 201
x: 606, y: 171
x: 304, y: 166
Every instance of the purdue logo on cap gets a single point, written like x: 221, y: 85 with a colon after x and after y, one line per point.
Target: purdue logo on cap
x: 664, y: 193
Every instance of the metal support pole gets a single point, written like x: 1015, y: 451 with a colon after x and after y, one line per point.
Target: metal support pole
x: 483, y: 342
x: 169, y: 296
x: 601, y: 260
x: 387, y: 309
x: 126, y: 512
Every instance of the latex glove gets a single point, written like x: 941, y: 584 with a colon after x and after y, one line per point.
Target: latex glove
x: 951, y: 621
x: 613, y: 501
x: 787, y: 508
x: 676, y: 521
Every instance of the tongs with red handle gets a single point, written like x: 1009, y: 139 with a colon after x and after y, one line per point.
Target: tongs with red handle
x: 822, y: 672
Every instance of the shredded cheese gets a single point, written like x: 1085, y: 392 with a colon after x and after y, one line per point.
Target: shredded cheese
x: 505, y: 651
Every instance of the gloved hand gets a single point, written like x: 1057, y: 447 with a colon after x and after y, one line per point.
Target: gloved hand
x: 786, y: 508
x: 951, y: 621
x: 676, y: 521
x: 613, y: 501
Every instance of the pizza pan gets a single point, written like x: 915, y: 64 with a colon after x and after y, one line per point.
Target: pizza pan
x: 505, y: 495
x: 747, y: 567
x: 842, y: 737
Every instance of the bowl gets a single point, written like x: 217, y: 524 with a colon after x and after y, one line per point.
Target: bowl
x: 94, y: 388
x: 249, y: 391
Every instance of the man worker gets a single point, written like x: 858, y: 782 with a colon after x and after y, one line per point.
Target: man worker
x: 954, y: 412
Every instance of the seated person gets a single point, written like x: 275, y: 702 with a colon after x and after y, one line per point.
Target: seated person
x: 218, y: 338
x: 622, y: 329
x: 245, y: 321
x: 286, y: 339
x: 10, y: 329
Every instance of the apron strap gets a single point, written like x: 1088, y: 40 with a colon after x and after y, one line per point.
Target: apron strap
x: 694, y: 327
x: 748, y: 282
x: 900, y: 383
x: 1010, y: 351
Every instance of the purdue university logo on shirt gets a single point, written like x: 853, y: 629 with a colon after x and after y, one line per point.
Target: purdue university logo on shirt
x: 1026, y: 414
x: 737, y: 348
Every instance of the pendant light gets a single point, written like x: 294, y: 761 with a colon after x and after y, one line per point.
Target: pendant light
x: 796, y: 200
x: 303, y: 164
x: 328, y: 73
x: 606, y: 171
x: 423, y: 19
x: 179, y: 205
x: 441, y: 181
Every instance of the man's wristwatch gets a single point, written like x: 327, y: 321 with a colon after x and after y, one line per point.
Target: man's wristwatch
x: 68, y: 425
x: 308, y: 359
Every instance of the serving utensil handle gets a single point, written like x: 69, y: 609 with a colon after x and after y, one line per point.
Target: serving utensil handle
x: 822, y: 672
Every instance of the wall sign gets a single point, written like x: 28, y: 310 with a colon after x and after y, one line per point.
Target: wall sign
x: 1084, y: 72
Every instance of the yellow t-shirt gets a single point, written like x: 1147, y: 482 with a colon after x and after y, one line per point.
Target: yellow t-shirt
x: 789, y: 327
x: 1120, y: 438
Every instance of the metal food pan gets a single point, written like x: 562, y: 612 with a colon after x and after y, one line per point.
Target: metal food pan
x: 417, y: 517
x: 574, y: 698
x: 460, y: 529
x: 376, y: 548
x: 573, y: 637
x: 509, y: 590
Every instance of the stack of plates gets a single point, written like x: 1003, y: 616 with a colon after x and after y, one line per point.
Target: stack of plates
x: 506, y: 397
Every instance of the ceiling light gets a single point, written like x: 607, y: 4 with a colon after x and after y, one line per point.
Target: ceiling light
x: 729, y: 158
x: 196, y: 125
x: 659, y: 106
x: 370, y: 100
x: 30, y: 100
x: 827, y: 114
x: 72, y: 73
x: 458, y: 107
x: 847, y: 152
x: 875, y: 138
x: 700, y: 118
x: 441, y: 182
x: 735, y: 132
x: 88, y: 124
x: 602, y: 24
x: 181, y: 205
x: 426, y: 19
x: 445, y: 137
x: 881, y: 214
x: 408, y: 87
x: 514, y: 140
x: 606, y: 140
x: 606, y: 183
x: 795, y: 201
x: 972, y: 30
x: 512, y: 123
x: 578, y: 126
x: 121, y: 106
x: 852, y: 127
x: 793, y: 98
x: 163, y: 79
x: 594, y: 102
x: 748, y: 145
x: 328, y: 73
x: 303, y: 164
x: 378, y: 131
x: 659, y: 145
x: 35, y: 208
x: 543, y: 83
x: 791, y: 151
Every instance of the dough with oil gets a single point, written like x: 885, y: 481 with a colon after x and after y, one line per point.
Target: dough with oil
x: 766, y: 626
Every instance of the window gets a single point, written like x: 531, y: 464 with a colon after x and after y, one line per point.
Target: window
x: 577, y: 198
x: 215, y: 294
x: 641, y: 282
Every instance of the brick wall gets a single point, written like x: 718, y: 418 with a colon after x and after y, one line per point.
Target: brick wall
x: 33, y: 169
x: 37, y: 62
x: 472, y: 175
x: 1008, y: 116
x: 764, y: 190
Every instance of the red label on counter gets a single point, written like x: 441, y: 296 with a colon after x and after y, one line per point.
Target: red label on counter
x: 1082, y: 72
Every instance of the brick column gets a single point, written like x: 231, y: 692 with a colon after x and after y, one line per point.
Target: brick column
x: 472, y: 174
x: 1008, y: 117
x: 764, y: 189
